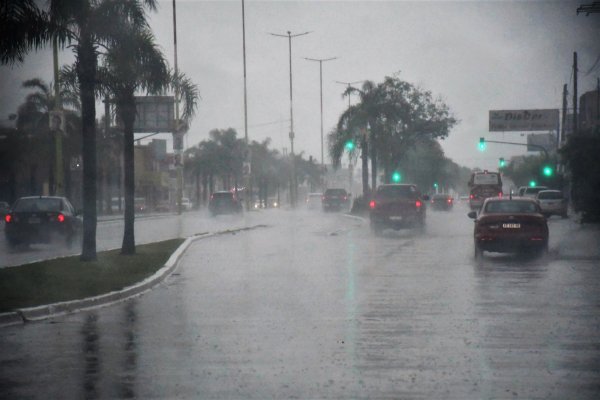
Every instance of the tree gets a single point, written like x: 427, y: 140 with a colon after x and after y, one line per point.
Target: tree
x: 84, y: 25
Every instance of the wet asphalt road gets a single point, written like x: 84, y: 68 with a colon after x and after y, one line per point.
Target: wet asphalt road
x: 314, y: 306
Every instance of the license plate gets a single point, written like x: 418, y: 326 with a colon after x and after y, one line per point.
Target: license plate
x: 511, y: 226
x: 34, y: 220
x: 398, y: 218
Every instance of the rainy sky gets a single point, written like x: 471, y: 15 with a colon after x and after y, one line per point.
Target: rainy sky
x: 478, y: 56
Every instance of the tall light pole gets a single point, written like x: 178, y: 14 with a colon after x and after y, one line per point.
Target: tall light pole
x: 349, y: 85
x: 320, y: 61
x: 289, y: 36
x: 176, y: 139
x: 248, y: 190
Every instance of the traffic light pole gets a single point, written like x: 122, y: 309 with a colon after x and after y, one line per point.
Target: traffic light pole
x: 522, y: 144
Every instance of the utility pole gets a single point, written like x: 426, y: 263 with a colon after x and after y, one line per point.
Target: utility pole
x: 320, y: 61
x: 58, y: 168
x: 293, y: 186
x: 564, y: 114
x: 575, y: 118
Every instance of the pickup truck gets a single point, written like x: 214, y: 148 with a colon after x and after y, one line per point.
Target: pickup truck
x: 397, y: 206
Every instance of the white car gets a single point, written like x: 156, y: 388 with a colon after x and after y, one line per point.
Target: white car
x: 552, y: 202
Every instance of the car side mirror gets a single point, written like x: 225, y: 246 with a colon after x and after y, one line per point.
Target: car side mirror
x: 472, y: 215
x: 426, y: 197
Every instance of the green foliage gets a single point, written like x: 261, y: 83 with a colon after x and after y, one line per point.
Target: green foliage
x: 68, y: 278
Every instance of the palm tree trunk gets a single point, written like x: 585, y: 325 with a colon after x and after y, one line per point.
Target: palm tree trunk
x: 86, y: 71
x: 373, y: 164
x: 365, y: 167
x: 127, y: 112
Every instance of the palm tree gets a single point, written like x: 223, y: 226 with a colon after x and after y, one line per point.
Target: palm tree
x: 132, y: 63
x: 84, y: 25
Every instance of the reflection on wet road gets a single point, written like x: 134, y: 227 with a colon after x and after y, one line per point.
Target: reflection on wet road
x: 315, y: 306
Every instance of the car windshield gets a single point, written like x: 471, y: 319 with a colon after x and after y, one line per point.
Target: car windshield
x: 222, y: 196
x: 335, y: 192
x: 510, y: 207
x: 38, y: 204
x: 397, y: 191
x: 534, y: 190
x: 550, y: 195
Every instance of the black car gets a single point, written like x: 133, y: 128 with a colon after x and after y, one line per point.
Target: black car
x: 397, y: 206
x: 224, y: 203
x: 334, y: 199
x: 443, y: 202
x: 41, y: 219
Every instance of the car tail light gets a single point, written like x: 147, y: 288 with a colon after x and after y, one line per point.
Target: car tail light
x: 60, y: 218
x: 471, y: 196
x: 372, y: 204
x: 418, y: 203
x: 500, y: 194
x: 449, y: 201
x: 8, y: 218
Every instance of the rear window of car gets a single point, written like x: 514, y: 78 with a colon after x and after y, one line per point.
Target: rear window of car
x: 511, y: 206
x: 222, y: 195
x: 397, y: 191
x: 534, y: 190
x: 440, y: 196
x: 485, y: 179
x: 547, y: 195
x: 335, y: 192
x: 40, y: 204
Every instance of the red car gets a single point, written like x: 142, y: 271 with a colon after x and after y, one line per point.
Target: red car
x: 508, y: 225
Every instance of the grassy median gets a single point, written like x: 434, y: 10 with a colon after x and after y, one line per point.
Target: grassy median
x: 68, y: 278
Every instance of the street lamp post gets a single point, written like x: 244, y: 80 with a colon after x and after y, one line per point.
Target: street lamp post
x: 293, y: 188
x: 349, y: 85
x: 320, y: 61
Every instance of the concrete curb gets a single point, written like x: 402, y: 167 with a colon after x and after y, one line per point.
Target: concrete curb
x: 67, y: 307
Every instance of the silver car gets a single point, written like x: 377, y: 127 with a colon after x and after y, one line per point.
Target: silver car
x: 552, y: 202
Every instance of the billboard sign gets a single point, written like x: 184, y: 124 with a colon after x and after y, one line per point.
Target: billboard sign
x: 523, y: 120
x: 154, y: 114
x: 545, y: 140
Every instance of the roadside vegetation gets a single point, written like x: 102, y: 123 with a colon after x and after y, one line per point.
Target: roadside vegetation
x: 70, y: 278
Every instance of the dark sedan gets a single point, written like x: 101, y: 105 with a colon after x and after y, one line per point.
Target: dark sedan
x: 442, y: 202
x: 224, y: 202
x: 41, y: 219
x: 507, y: 225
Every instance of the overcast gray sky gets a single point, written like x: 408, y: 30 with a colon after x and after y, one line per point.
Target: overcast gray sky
x: 477, y: 56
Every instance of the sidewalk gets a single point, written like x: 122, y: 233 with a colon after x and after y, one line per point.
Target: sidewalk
x: 579, y: 241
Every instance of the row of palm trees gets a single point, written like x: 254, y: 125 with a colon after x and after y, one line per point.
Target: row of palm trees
x: 217, y: 163
x: 390, y: 120
x: 115, y: 56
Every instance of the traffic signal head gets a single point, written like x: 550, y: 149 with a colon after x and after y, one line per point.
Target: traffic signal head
x: 396, y: 177
x: 349, y: 145
x: 548, y: 171
x: 501, y: 162
x: 435, y: 185
x: 532, y: 183
x: 482, y: 144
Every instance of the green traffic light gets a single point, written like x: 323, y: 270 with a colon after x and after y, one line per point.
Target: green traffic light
x: 482, y: 144
x: 435, y: 185
x: 396, y: 177
x: 502, y: 163
x: 349, y: 145
x: 532, y: 183
x: 548, y: 171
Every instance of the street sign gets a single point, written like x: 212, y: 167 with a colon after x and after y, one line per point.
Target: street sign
x: 523, y: 120
x: 154, y: 114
